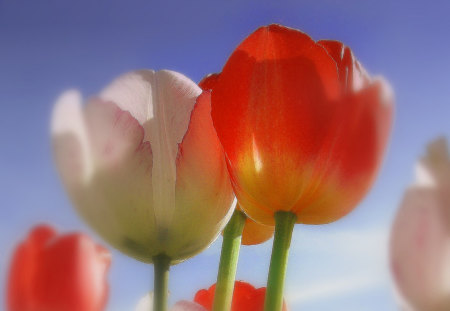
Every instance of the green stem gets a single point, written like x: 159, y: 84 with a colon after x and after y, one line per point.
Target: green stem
x: 284, y: 226
x: 161, y: 282
x: 231, y: 244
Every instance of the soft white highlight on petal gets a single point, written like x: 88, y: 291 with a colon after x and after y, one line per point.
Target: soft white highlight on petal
x: 256, y: 156
x: 133, y: 92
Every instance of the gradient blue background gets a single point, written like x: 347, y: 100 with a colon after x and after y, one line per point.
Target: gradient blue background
x: 49, y: 46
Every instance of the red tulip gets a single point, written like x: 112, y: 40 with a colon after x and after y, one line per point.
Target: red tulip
x: 51, y: 272
x: 245, y: 297
x: 303, y: 126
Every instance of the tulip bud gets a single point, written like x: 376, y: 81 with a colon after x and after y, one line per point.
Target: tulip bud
x: 143, y: 164
x: 420, y: 237
x: 54, y: 272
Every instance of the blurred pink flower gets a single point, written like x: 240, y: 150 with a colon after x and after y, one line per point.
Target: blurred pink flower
x: 54, y: 272
x: 146, y: 304
x: 143, y: 164
x: 420, y: 238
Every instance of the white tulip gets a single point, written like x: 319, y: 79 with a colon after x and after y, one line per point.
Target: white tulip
x: 143, y: 165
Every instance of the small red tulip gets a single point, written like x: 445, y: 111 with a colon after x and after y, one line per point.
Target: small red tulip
x: 303, y: 126
x: 51, y: 272
x: 245, y: 297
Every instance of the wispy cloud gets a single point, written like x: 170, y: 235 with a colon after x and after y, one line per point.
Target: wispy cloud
x: 332, y: 288
x: 333, y: 263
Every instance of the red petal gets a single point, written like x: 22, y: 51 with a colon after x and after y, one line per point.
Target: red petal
x: 352, y: 75
x: 209, y: 81
x: 205, y: 297
x: 24, y: 266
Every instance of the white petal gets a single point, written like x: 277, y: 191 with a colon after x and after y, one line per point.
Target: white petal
x: 175, y: 98
x: 434, y: 168
x: 133, y: 92
x: 203, y: 189
x: 162, y: 102
x: 117, y: 200
x: 70, y: 143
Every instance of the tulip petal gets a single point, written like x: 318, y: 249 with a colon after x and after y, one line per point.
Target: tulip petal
x: 162, y: 102
x: 202, y: 183
x: 70, y: 142
x: 23, y: 270
x: 208, y: 82
x: 352, y: 75
x: 120, y: 174
x: 434, y: 168
x: 117, y: 200
x: 256, y: 233
x: 58, y: 273
x: 86, y: 271
x: 348, y: 161
x: 420, y: 250
x: 245, y: 297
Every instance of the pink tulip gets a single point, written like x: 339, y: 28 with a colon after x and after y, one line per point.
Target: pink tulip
x: 420, y: 240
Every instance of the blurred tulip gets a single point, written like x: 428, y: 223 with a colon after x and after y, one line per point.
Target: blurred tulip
x: 51, y: 272
x: 146, y: 304
x: 420, y: 237
x: 245, y: 297
x: 143, y: 164
x: 303, y: 126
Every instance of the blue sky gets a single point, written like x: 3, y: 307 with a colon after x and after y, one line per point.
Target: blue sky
x: 49, y: 46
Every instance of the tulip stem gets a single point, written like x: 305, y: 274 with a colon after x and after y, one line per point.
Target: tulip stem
x: 231, y: 244
x: 284, y: 226
x: 161, y: 282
